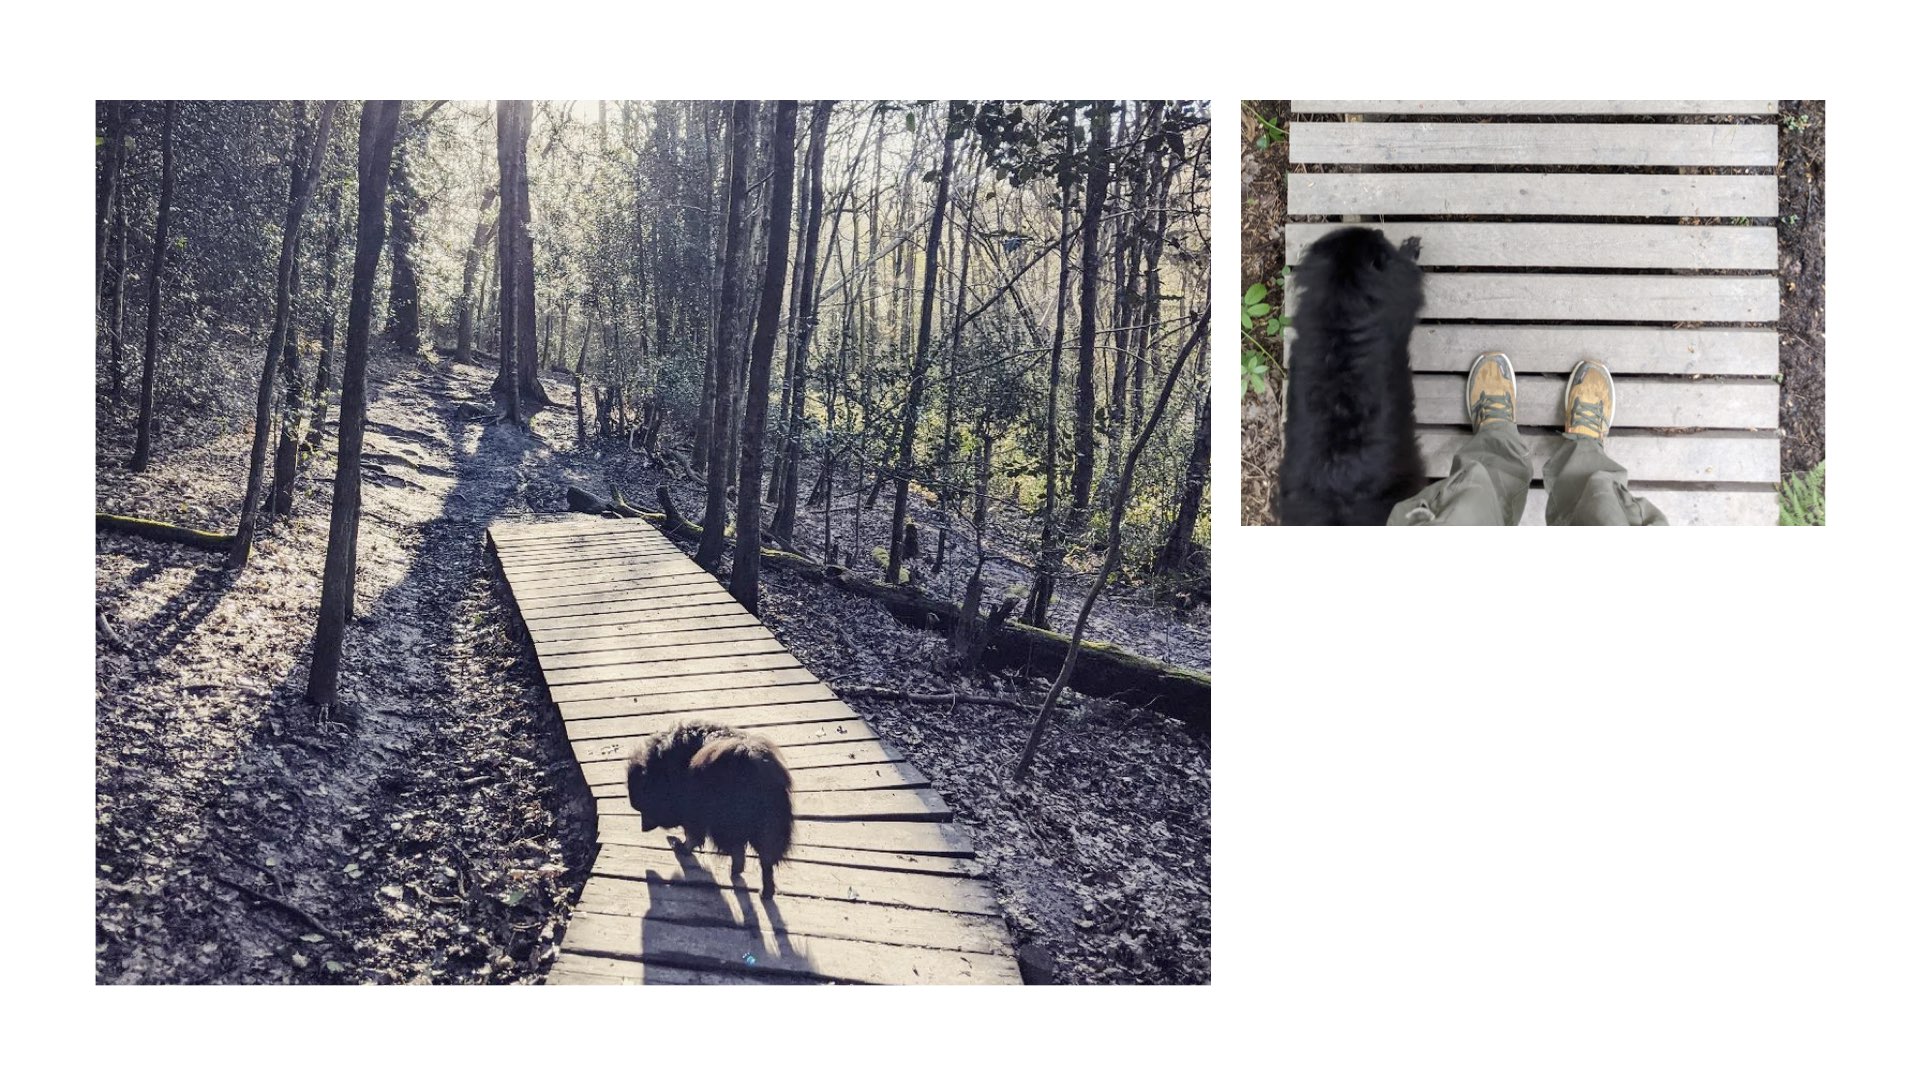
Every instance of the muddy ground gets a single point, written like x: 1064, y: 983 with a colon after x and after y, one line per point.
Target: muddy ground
x: 434, y: 828
x: 1802, y: 238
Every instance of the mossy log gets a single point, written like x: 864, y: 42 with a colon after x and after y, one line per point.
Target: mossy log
x: 160, y: 530
x: 1103, y: 669
x: 582, y: 501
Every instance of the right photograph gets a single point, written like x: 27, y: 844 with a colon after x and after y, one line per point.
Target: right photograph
x: 1572, y: 312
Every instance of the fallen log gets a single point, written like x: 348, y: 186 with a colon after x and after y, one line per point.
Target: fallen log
x: 1102, y: 671
x: 160, y: 530
x: 582, y: 501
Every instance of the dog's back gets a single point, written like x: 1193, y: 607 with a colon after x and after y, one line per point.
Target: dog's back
x: 741, y: 788
x: 1351, y: 452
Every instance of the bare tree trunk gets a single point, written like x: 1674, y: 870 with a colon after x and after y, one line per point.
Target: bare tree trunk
x: 378, y: 121
x: 511, y: 138
x: 403, y: 289
x: 143, y: 438
x: 115, y: 145
x: 1173, y: 555
x: 1122, y: 493
x: 916, y: 386
x: 314, y: 146
x: 714, y: 524
x: 1081, y: 488
x: 117, y: 306
x: 323, y: 373
x: 809, y: 320
x: 1040, y: 598
x: 745, y: 583
x: 482, y: 236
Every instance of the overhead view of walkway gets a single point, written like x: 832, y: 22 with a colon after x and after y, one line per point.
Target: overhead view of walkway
x: 880, y: 886
x: 1662, y: 266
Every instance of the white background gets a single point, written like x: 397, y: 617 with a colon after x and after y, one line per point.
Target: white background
x: 1521, y: 803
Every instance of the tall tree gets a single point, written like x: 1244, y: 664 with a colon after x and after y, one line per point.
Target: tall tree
x: 746, y: 555
x: 143, y: 439
x: 309, y: 153
x: 1173, y: 554
x: 510, y: 129
x: 808, y: 318
x: 329, y: 308
x: 1123, y: 491
x: 532, y: 393
x: 1081, y: 489
x: 916, y: 385
x: 114, y: 143
x: 740, y: 130
x: 403, y: 287
x: 482, y: 236
x: 1040, y: 597
x: 378, y: 121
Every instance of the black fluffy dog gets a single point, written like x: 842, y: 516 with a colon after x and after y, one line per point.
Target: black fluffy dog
x: 716, y: 781
x: 1350, y: 448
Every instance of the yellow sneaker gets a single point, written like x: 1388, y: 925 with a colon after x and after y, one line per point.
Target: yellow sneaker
x: 1490, y: 390
x: 1589, y: 401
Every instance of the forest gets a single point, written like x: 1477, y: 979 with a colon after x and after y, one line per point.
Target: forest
x: 924, y: 383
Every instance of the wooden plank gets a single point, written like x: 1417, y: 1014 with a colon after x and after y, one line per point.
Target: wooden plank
x: 529, y: 549
x: 1596, y: 297
x: 1748, y: 145
x: 625, y: 934
x: 1567, y: 244
x: 1686, y: 506
x: 580, y: 969
x: 881, y: 777
x: 810, y: 723
x: 890, y: 804
x: 1721, y: 458
x: 770, y: 657
x: 643, y: 618
x: 1638, y: 403
x: 1570, y: 107
x: 624, y: 598
x: 1532, y: 194
x: 620, y: 867
x: 640, y: 565
x: 931, y: 838
x: 568, y: 525
x: 641, y: 691
x: 726, y: 641
x: 602, y: 580
x: 828, y: 959
x: 1626, y: 350
x: 800, y: 761
x: 626, y: 831
x: 587, y: 554
x: 639, y: 634
x: 717, y: 701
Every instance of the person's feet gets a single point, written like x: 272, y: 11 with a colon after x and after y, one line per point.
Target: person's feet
x: 1490, y: 390
x: 1589, y: 401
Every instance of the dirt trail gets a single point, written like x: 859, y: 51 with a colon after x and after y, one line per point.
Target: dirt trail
x: 426, y: 827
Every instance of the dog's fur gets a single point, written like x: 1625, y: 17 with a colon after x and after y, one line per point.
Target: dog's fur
x: 1350, y: 447
x: 719, y: 782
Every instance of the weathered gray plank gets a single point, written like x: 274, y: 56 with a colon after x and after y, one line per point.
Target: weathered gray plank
x: 580, y: 969
x: 931, y: 839
x: 1638, y: 403
x: 588, y: 554
x: 623, y: 934
x: 1686, y: 506
x: 1626, y: 350
x: 1565, y: 106
x: 790, y: 724
x: 644, y: 690
x: 650, y: 616
x: 626, y: 831
x: 1310, y: 143
x: 645, y: 564
x: 556, y: 657
x: 886, y: 804
x: 1597, y: 297
x: 692, y: 701
x: 799, y: 760
x: 761, y: 948
x: 607, y: 580
x: 1566, y: 244
x: 928, y: 892
x: 638, y: 634
x: 1710, y: 458
x: 1535, y: 194
x: 768, y: 656
x: 629, y: 597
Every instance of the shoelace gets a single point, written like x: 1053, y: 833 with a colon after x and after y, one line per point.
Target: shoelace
x: 1492, y: 407
x: 1588, y: 414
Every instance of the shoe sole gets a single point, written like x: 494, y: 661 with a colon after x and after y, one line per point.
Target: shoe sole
x: 1566, y: 399
x: 1467, y: 399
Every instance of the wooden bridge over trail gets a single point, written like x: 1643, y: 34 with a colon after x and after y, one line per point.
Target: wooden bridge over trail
x: 1663, y: 271
x: 632, y: 637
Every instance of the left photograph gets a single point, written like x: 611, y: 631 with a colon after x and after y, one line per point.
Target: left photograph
x: 621, y: 542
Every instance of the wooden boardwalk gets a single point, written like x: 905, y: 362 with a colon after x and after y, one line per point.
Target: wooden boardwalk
x: 1614, y: 267
x: 880, y: 887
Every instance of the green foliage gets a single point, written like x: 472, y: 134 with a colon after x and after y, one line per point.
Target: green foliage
x: 1803, y: 498
x: 1271, y: 133
x: 1260, y: 324
x: 1798, y: 124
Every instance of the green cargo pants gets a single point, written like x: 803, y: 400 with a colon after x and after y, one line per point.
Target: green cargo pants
x: 1487, y: 485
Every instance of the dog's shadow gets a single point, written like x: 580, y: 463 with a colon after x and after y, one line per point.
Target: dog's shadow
x: 684, y: 912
